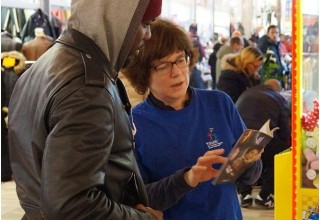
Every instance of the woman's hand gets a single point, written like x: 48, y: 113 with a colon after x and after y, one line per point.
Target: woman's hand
x: 203, y: 171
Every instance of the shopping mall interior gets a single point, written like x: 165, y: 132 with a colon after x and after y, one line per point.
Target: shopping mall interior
x: 211, y: 25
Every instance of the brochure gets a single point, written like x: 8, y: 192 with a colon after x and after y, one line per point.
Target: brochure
x: 244, y: 153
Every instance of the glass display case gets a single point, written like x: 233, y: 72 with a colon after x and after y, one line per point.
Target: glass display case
x: 305, y: 121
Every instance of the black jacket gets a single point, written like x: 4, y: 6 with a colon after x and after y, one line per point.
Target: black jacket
x: 271, y: 51
x: 260, y: 103
x: 234, y: 83
x: 71, y: 139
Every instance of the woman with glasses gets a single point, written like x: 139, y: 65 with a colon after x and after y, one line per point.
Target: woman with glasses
x: 240, y: 71
x: 183, y: 134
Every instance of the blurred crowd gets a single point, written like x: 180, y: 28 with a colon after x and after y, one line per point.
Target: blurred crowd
x: 275, y: 46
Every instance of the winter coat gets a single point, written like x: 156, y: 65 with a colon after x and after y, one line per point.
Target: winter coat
x: 37, y: 19
x: 8, y: 43
x: 70, y: 135
x: 266, y: 103
x: 234, y: 82
x: 10, y: 74
x: 269, y: 48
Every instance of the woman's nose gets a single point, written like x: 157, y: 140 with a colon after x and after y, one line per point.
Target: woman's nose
x: 175, y: 70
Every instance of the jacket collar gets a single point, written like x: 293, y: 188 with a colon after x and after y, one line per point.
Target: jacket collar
x: 78, y: 41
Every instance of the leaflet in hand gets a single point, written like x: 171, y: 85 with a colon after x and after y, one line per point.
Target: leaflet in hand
x: 244, y: 153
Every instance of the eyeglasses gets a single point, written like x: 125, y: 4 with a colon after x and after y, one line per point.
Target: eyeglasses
x: 166, y: 67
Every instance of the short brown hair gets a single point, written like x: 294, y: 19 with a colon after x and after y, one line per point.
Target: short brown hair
x: 271, y: 27
x: 236, y: 40
x: 167, y: 38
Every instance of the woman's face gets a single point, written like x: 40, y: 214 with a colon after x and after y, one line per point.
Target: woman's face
x: 170, y: 84
x: 253, y: 68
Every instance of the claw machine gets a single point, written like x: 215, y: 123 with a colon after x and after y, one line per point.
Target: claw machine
x: 305, y: 109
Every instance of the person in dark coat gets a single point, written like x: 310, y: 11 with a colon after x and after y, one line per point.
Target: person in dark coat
x: 240, y: 71
x: 71, y: 141
x: 265, y: 103
x: 9, y: 47
x: 269, y: 45
x: 212, y: 62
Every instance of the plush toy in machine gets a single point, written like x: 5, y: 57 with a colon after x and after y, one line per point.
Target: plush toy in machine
x: 310, y: 146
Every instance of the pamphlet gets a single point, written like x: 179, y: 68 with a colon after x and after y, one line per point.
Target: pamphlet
x: 244, y: 153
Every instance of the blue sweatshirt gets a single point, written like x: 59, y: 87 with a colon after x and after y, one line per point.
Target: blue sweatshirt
x: 168, y: 141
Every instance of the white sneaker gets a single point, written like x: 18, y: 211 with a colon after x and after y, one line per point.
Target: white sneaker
x: 267, y: 203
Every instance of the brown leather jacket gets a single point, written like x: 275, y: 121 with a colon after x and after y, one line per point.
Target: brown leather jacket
x: 71, y: 138
x: 33, y: 49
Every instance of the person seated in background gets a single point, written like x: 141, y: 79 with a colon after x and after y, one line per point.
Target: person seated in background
x: 240, y: 71
x: 256, y: 106
x: 178, y: 157
x: 236, y: 44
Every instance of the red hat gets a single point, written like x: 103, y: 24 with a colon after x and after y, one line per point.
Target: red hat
x: 153, y: 10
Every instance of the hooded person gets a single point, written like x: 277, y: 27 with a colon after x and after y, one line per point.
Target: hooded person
x: 71, y: 141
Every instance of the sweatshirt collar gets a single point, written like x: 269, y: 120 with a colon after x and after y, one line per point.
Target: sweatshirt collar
x: 160, y: 105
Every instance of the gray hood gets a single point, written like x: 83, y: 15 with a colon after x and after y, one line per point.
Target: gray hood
x: 111, y: 24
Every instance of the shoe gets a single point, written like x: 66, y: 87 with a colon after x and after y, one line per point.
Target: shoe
x: 267, y: 203
x: 246, y: 201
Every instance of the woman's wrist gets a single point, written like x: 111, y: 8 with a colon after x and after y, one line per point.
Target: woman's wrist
x: 188, y: 177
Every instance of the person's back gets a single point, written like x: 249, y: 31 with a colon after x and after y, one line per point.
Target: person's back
x: 70, y: 135
x: 265, y: 103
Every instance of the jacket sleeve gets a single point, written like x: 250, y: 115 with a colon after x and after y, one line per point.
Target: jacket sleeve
x: 168, y: 191
x: 75, y: 159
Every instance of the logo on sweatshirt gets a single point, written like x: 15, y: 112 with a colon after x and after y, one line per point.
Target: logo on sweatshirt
x: 213, y: 139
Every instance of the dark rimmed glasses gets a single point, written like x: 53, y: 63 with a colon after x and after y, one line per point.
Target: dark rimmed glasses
x: 166, y: 67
